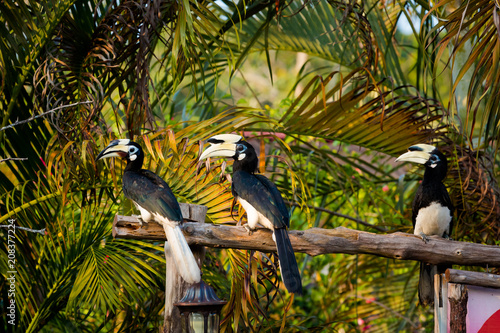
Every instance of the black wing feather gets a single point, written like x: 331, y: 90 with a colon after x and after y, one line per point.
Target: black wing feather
x: 152, y: 193
x: 263, y: 195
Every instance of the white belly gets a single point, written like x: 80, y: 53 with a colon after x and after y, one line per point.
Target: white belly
x: 433, y: 220
x: 254, y: 217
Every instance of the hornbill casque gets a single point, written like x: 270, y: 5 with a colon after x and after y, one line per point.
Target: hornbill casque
x: 432, y: 209
x: 261, y: 200
x: 154, y: 199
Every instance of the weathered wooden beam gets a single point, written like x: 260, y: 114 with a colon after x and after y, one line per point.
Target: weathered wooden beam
x: 473, y: 278
x: 316, y: 241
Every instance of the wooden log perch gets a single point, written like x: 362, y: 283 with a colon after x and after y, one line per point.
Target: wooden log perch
x: 473, y: 278
x: 317, y: 241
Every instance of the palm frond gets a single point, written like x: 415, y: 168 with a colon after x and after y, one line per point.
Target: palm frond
x: 475, y: 192
x: 76, y: 263
x: 470, y: 32
x: 24, y: 26
x: 323, y: 29
x: 363, y: 113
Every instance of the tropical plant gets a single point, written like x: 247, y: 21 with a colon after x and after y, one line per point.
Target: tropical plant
x: 171, y: 73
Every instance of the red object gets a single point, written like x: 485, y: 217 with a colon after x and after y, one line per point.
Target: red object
x: 492, y: 325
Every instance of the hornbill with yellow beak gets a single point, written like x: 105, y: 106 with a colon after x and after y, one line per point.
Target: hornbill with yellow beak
x: 261, y: 200
x: 432, y: 210
x: 155, y: 200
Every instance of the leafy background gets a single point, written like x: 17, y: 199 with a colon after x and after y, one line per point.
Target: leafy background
x: 330, y: 92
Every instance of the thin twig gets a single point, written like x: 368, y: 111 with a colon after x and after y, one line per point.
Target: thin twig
x: 13, y: 159
x: 40, y: 231
x: 19, y: 122
x: 331, y: 212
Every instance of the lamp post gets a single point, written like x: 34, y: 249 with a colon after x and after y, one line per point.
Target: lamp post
x: 200, y: 309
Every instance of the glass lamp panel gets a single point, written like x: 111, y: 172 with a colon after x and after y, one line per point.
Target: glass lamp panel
x: 213, y: 323
x: 196, y: 323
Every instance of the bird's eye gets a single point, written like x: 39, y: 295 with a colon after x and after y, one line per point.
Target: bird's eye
x: 240, y: 148
x: 434, y: 158
x: 132, y: 150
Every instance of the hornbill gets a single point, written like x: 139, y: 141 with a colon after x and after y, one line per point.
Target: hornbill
x: 261, y: 200
x: 155, y: 200
x: 432, y: 210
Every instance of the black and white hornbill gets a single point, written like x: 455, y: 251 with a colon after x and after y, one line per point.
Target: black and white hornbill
x: 432, y: 209
x: 261, y: 200
x: 155, y: 200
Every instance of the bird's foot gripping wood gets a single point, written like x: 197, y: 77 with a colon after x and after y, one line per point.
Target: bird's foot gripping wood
x: 424, y: 237
x: 249, y: 229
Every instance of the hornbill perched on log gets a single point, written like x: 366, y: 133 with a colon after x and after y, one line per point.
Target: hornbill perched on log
x: 432, y: 210
x: 155, y: 200
x: 261, y: 200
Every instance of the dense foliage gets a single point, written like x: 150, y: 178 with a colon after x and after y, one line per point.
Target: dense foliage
x: 330, y: 91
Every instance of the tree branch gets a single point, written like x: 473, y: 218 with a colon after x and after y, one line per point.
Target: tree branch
x: 19, y: 122
x: 331, y: 212
x: 317, y: 241
x: 13, y: 159
x: 39, y: 231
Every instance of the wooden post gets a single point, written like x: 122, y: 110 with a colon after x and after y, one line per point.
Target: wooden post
x: 440, y: 304
x: 457, y: 295
x: 175, y: 286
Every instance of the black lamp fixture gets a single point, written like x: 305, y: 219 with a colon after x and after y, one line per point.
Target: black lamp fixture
x: 200, y: 309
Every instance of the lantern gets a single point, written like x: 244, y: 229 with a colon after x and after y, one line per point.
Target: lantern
x: 200, y: 309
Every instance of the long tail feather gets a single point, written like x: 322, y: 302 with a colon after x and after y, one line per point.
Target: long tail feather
x: 426, y: 284
x: 184, y: 259
x: 170, y: 283
x: 288, y: 263
x: 426, y: 287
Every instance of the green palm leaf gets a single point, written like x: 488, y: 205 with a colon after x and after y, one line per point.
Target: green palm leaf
x: 362, y: 113
x: 323, y: 29
x: 471, y: 32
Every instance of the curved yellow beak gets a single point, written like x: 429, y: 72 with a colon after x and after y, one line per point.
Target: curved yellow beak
x: 116, y: 148
x: 417, y: 153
